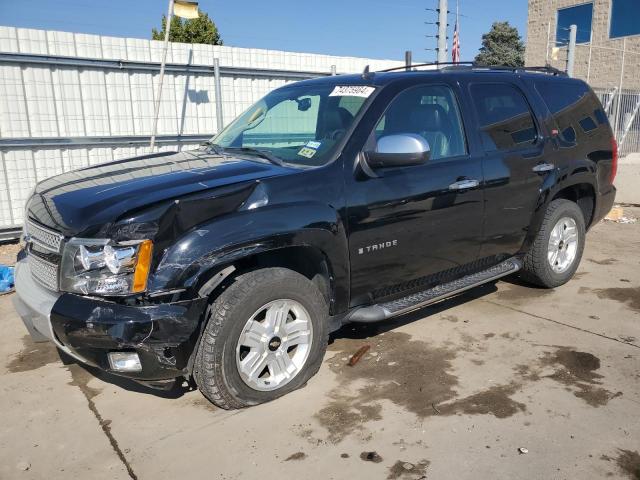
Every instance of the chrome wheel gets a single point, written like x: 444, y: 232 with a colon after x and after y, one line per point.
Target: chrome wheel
x: 274, y: 345
x: 563, y: 245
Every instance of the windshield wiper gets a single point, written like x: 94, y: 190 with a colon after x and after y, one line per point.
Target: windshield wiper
x: 217, y: 149
x: 257, y: 152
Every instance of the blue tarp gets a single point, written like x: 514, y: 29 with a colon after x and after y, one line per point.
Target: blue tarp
x: 6, y: 279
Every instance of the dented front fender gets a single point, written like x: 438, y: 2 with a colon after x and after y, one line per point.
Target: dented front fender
x: 225, y: 240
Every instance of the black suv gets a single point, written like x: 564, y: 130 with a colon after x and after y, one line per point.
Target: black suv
x: 340, y: 199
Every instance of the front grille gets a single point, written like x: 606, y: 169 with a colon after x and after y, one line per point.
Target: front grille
x: 45, y: 238
x: 44, y: 272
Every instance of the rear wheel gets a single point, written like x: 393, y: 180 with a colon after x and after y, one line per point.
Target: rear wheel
x: 265, y: 336
x: 555, y: 254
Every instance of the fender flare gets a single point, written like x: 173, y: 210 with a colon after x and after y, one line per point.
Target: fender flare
x: 551, y: 186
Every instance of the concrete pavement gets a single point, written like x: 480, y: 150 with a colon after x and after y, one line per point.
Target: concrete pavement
x: 628, y: 179
x: 451, y: 392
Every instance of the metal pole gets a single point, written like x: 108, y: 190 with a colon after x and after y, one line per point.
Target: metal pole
x: 333, y: 70
x: 590, y: 52
x: 571, y: 51
x: 546, y: 56
x: 161, y: 79
x: 216, y: 73
x: 442, y: 31
x: 407, y: 60
x: 617, y: 118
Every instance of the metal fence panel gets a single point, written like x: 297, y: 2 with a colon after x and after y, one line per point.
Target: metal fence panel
x: 69, y: 100
x: 623, y: 110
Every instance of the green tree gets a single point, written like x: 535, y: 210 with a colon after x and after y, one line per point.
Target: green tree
x: 197, y: 30
x: 502, y: 45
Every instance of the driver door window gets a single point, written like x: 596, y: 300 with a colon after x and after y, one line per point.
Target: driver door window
x: 431, y: 112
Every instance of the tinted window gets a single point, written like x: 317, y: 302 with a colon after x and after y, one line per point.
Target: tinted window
x: 569, y: 134
x: 624, y: 18
x: 600, y: 116
x: 580, y: 16
x: 588, y: 124
x: 571, y: 103
x: 506, y: 120
x: 560, y: 95
x: 429, y: 111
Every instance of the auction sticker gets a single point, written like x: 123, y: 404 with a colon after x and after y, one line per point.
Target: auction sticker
x: 352, y: 91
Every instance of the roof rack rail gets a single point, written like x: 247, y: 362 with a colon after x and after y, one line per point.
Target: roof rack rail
x: 546, y: 69
x: 431, y: 64
x: 473, y: 65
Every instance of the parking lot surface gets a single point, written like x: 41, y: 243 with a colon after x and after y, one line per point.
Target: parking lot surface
x: 505, y: 381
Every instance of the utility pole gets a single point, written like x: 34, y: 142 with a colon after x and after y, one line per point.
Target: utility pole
x: 571, y: 51
x: 161, y: 79
x: 442, y: 31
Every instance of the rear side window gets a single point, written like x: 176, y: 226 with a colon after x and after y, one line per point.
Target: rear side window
x: 506, y: 121
x: 573, y: 107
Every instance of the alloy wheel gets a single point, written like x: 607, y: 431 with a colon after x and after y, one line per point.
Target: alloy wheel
x: 274, y: 345
x: 563, y: 245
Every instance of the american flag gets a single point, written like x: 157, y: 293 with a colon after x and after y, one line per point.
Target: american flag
x: 455, y: 48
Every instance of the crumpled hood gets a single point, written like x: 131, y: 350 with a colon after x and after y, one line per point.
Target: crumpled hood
x: 76, y: 201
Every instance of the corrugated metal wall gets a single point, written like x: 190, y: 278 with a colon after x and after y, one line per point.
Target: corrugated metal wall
x: 54, y: 89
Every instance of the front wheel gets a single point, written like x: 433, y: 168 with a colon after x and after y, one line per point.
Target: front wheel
x: 555, y: 254
x: 265, y: 336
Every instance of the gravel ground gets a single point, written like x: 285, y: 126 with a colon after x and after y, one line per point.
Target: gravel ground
x: 503, y: 382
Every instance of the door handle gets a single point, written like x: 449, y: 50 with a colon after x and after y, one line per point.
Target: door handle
x: 464, y: 184
x: 543, y: 167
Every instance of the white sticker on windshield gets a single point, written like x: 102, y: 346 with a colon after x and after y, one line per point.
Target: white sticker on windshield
x: 352, y: 91
x: 313, y: 144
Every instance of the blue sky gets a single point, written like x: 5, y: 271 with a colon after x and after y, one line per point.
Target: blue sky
x: 368, y: 28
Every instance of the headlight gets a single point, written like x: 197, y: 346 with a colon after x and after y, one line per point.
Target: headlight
x: 101, y: 267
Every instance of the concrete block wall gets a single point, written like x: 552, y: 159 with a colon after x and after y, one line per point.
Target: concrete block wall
x: 606, y: 53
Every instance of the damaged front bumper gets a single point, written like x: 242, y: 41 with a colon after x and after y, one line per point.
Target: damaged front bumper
x: 164, y: 335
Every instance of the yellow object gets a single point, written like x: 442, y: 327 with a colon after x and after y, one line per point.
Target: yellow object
x: 554, y: 53
x: 615, y: 214
x: 184, y: 9
x: 143, y: 266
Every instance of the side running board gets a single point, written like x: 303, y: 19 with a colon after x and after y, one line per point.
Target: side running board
x: 383, y: 311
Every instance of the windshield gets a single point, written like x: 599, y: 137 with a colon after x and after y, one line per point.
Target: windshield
x: 300, y: 125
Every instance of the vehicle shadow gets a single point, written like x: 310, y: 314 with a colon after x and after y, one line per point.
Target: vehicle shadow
x: 356, y: 331
x: 518, y: 282
x: 82, y: 374
x: 359, y: 331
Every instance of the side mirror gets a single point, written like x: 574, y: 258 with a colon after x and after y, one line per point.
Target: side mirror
x: 401, y: 150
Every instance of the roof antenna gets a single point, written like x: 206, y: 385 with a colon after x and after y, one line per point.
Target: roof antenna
x: 366, y: 74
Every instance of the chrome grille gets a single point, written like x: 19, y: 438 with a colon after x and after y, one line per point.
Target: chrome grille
x: 44, y: 272
x: 43, y: 237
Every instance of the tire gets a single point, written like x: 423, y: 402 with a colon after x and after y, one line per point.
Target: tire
x: 217, y: 367
x: 538, y: 268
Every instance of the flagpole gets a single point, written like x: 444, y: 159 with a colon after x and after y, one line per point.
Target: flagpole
x: 455, y: 46
x: 161, y: 79
x: 458, y: 28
